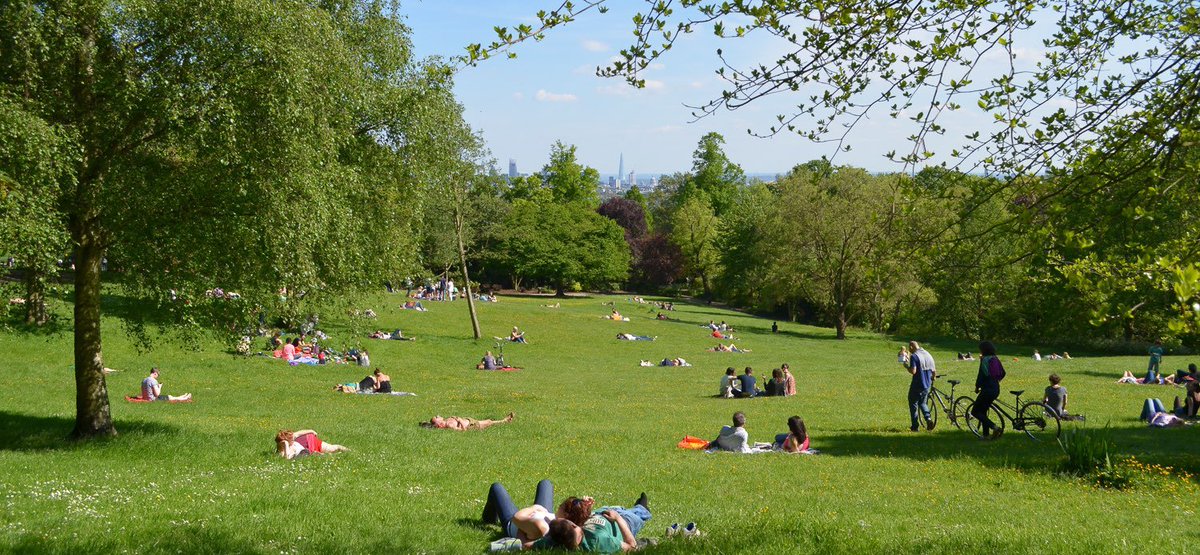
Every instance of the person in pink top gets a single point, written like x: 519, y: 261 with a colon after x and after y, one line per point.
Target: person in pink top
x: 789, y: 382
x: 796, y: 440
x: 289, y: 349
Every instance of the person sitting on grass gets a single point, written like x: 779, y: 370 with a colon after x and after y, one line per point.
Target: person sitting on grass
x: 730, y: 384
x: 733, y: 438
x: 290, y: 350
x: 1055, y: 397
x: 289, y: 444
x: 383, y: 382
x: 749, y: 384
x: 1191, y: 400
x: 461, y: 423
x: 152, y: 390
x: 796, y: 439
x: 789, y: 381
x: 661, y: 316
x: 607, y: 530
x: 775, y: 384
x: 1182, y: 377
x: 527, y: 524
x: 413, y: 305
x: 488, y: 362
x: 632, y: 337
x: 517, y: 336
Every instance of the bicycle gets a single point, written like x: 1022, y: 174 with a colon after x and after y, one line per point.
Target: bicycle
x: 1035, y: 418
x: 949, y: 404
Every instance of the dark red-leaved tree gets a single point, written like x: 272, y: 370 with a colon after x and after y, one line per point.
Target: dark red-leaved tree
x: 659, y: 262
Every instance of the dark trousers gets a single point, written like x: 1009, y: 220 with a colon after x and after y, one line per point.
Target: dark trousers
x: 500, y: 509
x: 983, y: 403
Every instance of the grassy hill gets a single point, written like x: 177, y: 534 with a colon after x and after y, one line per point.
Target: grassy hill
x: 201, y: 477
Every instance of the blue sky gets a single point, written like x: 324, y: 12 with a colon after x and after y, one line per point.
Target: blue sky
x: 550, y: 92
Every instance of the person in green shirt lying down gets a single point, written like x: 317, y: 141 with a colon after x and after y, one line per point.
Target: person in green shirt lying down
x: 606, y: 530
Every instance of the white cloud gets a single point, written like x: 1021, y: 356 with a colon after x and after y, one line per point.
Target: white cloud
x: 594, y: 46
x: 620, y: 88
x: 518, y: 95
x: 543, y: 96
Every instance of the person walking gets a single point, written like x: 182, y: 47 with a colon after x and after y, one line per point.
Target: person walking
x: 987, y: 386
x: 921, y: 366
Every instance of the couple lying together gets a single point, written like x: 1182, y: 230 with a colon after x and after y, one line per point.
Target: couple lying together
x: 575, y: 524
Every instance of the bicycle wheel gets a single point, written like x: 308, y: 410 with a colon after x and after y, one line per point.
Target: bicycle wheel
x: 973, y: 423
x: 1039, y: 421
x: 934, y: 402
x: 959, y: 411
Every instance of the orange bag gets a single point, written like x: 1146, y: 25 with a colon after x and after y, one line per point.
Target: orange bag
x: 690, y: 442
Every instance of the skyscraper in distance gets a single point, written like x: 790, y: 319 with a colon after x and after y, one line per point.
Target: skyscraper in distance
x: 621, y: 167
x: 512, y: 167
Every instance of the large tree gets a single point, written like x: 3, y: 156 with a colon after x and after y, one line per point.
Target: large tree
x: 713, y: 174
x: 567, y: 179
x: 245, y: 145
x: 694, y: 229
x: 564, y: 244
x: 837, y: 242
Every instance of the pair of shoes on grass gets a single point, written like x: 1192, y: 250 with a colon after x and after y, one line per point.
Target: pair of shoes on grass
x: 688, y: 531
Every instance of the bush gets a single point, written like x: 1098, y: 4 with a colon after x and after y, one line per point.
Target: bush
x: 1090, y: 453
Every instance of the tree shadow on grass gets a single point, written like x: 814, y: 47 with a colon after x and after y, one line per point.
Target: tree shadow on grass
x: 27, y: 432
x: 1172, y: 447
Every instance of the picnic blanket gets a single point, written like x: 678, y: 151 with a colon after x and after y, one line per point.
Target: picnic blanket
x: 503, y: 369
x: 140, y: 399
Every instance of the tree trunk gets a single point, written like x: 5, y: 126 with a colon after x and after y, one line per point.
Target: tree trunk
x: 462, y: 261
x: 93, y: 418
x: 35, y: 298
x: 842, y: 324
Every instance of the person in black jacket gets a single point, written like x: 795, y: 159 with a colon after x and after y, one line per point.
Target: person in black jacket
x: 987, y: 385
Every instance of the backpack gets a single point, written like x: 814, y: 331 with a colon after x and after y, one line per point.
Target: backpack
x: 996, y: 369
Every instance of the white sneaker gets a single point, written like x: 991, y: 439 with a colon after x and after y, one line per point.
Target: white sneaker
x: 691, y: 531
x: 673, y: 529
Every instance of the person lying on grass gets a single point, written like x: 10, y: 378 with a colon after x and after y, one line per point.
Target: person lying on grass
x: 413, y: 305
x: 1128, y: 377
x: 398, y: 335
x: 527, y: 524
x: 718, y: 334
x: 152, y: 390
x: 616, y: 316
x: 461, y: 423
x: 606, y: 530
x: 289, y: 444
x: 632, y: 337
x: 730, y: 348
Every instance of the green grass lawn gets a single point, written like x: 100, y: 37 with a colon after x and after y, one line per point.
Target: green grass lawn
x: 202, y: 477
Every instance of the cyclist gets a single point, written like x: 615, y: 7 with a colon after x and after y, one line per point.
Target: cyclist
x: 987, y: 385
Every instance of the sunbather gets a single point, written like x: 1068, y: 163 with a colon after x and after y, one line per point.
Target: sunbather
x: 632, y: 337
x: 289, y: 444
x: 796, y: 440
x: 461, y: 423
x: 527, y: 524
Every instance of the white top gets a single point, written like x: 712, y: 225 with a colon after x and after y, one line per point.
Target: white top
x: 734, y: 439
x: 291, y: 449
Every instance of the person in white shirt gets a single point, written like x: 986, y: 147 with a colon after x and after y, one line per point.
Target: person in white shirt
x: 734, y: 438
x: 152, y: 390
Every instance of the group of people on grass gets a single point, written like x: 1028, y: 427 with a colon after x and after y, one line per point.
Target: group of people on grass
x: 781, y: 384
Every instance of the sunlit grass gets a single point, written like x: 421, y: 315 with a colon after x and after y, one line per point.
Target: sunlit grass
x: 201, y: 477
